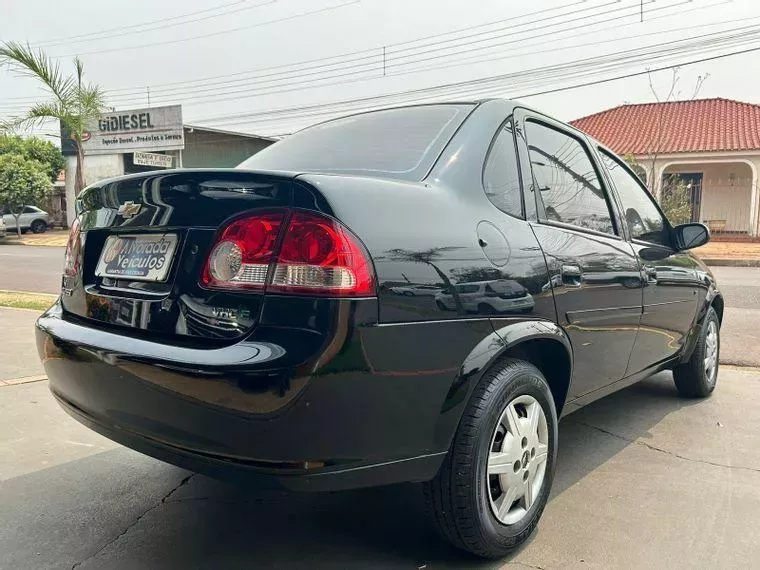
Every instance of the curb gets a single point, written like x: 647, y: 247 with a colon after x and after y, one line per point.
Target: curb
x: 731, y: 262
x: 38, y: 311
x: 24, y: 380
x: 13, y: 291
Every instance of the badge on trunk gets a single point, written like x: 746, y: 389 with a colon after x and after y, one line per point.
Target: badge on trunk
x: 128, y: 209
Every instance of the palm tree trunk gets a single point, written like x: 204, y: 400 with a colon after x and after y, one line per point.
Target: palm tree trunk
x: 79, y: 184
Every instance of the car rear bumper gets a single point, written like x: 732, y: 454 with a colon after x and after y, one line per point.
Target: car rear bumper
x: 234, y: 413
x: 420, y: 468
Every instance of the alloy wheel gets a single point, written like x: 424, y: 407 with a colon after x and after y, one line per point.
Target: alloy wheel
x: 711, y: 352
x: 517, y: 459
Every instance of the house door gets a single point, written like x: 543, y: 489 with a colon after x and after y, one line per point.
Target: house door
x: 693, y: 181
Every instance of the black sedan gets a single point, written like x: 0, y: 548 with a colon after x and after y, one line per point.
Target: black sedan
x: 242, y: 323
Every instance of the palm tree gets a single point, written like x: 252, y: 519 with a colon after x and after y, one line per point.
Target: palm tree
x: 73, y: 102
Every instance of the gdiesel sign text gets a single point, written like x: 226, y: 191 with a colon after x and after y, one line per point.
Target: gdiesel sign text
x: 131, y: 122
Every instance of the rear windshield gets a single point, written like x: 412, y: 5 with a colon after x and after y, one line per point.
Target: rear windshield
x: 395, y: 143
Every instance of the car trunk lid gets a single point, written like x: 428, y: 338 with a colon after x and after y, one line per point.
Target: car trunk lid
x: 143, y: 242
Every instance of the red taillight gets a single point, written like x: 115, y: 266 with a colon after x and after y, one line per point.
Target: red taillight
x: 319, y: 256
x: 242, y: 253
x: 73, y: 255
x: 316, y: 256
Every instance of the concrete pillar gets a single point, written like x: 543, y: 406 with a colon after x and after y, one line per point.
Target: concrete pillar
x: 753, y: 202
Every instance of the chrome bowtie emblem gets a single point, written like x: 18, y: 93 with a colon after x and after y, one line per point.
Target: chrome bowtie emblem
x: 129, y: 209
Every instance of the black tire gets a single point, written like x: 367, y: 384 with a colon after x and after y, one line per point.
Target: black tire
x: 39, y: 226
x: 691, y: 377
x: 458, y: 497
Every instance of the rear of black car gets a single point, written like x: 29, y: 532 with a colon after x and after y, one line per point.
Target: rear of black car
x: 215, y: 319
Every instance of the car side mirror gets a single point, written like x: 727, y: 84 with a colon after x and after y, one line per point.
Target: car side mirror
x: 689, y: 236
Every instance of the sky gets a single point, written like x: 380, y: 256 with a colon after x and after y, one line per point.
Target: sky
x: 271, y: 67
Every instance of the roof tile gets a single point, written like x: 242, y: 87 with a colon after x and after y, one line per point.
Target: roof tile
x: 702, y: 125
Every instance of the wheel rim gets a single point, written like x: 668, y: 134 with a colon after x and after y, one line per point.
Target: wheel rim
x: 711, y: 352
x: 517, y: 459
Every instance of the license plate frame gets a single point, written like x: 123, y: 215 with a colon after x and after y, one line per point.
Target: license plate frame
x: 128, y: 247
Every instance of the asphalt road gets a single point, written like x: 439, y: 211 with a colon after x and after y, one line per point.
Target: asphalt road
x: 31, y: 268
x: 740, y: 334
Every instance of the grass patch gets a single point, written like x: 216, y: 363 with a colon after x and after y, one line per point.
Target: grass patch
x: 33, y: 301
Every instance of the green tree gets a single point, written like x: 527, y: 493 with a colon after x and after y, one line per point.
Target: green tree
x: 73, y: 102
x: 675, y: 200
x: 675, y: 195
x: 22, y: 181
x: 37, y: 149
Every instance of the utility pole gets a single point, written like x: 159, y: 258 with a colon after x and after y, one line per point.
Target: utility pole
x: 642, y: 10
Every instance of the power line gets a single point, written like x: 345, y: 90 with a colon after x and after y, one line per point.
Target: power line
x: 533, y: 73
x: 195, y: 90
x: 376, y: 64
x: 422, y: 95
x: 153, y: 25
x: 712, y: 37
x: 268, y: 88
x: 194, y: 84
x: 372, y: 50
x: 342, y: 4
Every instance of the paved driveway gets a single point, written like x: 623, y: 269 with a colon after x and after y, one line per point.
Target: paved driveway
x: 645, y: 480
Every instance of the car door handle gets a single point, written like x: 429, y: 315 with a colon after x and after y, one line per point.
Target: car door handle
x: 572, y: 275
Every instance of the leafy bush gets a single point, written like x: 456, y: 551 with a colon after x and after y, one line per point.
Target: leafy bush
x: 675, y: 200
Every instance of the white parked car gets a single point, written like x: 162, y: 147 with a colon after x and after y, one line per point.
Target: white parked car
x: 31, y: 218
x: 3, y: 230
x: 500, y: 296
x: 416, y: 290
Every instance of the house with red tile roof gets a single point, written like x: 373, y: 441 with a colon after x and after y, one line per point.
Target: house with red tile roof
x: 713, y: 145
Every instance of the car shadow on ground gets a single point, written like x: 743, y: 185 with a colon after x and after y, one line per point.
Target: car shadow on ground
x: 206, y: 523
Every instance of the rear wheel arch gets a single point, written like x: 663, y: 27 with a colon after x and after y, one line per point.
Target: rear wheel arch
x: 552, y: 358
x: 717, y: 303
x: 542, y: 343
x: 713, y: 301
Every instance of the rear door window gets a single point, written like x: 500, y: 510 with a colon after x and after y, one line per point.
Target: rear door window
x: 566, y: 179
x: 394, y: 143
